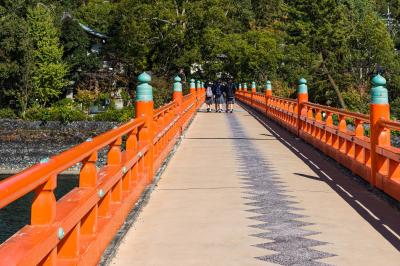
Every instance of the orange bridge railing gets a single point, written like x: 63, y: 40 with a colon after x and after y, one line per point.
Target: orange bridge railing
x: 76, y: 229
x: 359, y: 142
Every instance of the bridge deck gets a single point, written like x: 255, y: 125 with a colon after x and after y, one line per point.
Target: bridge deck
x: 240, y: 193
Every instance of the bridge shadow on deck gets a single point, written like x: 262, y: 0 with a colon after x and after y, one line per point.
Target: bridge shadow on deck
x: 377, y: 208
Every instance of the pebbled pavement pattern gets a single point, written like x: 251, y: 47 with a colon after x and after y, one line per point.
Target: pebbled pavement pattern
x: 272, y: 208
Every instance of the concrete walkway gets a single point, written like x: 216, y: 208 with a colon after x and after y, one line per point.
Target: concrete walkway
x: 238, y: 192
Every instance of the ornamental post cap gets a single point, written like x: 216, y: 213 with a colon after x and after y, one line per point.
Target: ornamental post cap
x: 379, y: 93
x: 177, y: 84
x: 302, y: 81
x: 192, y: 83
x: 144, y: 78
x: 253, y: 84
x: 144, y: 91
x: 378, y: 80
x: 303, y: 88
x: 268, y: 85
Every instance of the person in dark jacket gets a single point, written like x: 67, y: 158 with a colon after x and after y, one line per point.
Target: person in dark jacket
x: 230, y: 96
x: 218, y: 91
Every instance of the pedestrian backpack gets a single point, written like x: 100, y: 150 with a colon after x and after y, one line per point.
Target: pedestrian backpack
x: 209, y: 92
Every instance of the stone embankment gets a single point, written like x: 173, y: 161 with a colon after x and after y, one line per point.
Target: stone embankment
x: 24, y: 143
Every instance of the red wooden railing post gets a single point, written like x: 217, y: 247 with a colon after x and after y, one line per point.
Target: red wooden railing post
x: 88, y: 179
x: 198, y: 93
x: 192, y: 88
x: 202, y: 93
x: 131, y: 147
x: 253, y: 87
x: 145, y: 108
x: 302, y: 97
x: 379, y: 109
x: 268, y: 95
x: 43, y: 211
x: 114, y: 157
x: 253, y: 92
x: 178, y: 96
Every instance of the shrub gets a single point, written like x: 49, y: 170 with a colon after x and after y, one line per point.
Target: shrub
x: 86, y: 97
x: 7, y: 113
x: 113, y: 115
x: 36, y: 113
x: 66, y: 114
x: 63, y: 111
x: 395, y: 108
x: 356, y: 101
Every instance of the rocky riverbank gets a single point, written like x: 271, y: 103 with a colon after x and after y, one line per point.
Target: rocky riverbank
x: 25, y: 143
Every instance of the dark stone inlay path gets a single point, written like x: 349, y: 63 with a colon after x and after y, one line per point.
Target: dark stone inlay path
x: 272, y: 208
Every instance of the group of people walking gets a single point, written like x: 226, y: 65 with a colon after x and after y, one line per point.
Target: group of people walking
x: 218, y: 93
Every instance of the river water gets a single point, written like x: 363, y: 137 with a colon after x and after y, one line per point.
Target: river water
x: 17, y: 214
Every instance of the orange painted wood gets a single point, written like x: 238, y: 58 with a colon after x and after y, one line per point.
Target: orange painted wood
x: 76, y: 229
x: 374, y: 159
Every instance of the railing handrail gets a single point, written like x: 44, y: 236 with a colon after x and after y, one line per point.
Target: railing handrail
x: 164, y: 108
x: 187, y: 97
x: 355, y: 115
x: 390, y: 124
x: 285, y: 99
x: 18, y: 185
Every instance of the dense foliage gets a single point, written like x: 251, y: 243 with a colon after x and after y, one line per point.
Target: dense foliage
x: 47, y: 49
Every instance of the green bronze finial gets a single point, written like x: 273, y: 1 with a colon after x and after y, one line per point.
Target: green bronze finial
x: 379, y: 93
x: 198, y: 84
x: 253, y: 85
x: 144, y: 92
x: 302, y: 86
x: 245, y: 86
x: 202, y: 84
x: 177, y: 84
x: 240, y: 86
x: 192, y: 83
x: 268, y: 85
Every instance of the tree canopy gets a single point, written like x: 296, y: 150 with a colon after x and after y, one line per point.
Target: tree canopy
x: 45, y: 46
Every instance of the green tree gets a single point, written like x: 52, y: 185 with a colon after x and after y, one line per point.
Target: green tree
x: 49, y: 71
x: 77, y: 55
x: 98, y: 14
x: 16, y: 60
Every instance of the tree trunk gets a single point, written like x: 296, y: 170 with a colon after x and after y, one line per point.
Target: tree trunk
x: 335, y: 86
